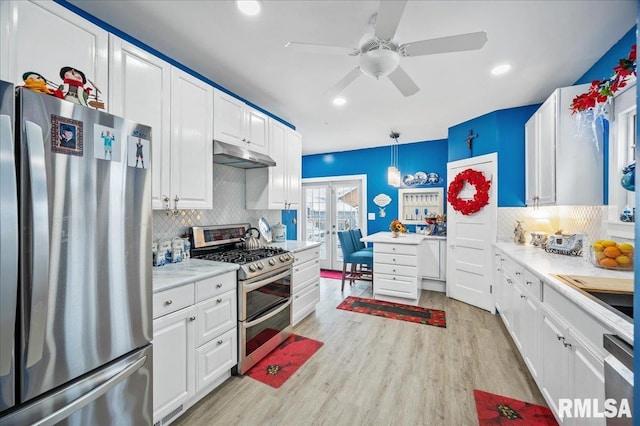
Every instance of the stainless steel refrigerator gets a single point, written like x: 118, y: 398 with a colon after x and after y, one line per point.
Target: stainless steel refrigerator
x: 75, y: 261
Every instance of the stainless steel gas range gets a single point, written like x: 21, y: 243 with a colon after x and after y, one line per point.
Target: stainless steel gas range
x: 264, y: 288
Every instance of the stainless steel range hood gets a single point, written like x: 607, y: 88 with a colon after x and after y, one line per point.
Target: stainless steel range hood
x: 235, y: 156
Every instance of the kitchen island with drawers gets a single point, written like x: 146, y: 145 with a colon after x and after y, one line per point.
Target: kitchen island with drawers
x: 406, y: 264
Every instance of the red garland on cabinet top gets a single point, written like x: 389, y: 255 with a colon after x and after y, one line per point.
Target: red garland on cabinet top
x: 481, y: 197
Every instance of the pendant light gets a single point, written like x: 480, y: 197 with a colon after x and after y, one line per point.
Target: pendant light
x: 393, y: 173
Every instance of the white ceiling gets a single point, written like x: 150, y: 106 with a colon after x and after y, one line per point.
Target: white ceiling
x: 549, y: 44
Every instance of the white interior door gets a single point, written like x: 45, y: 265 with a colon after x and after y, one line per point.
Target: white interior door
x: 332, y: 204
x: 470, y: 237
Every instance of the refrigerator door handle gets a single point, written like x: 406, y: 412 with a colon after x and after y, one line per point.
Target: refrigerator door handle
x: 40, y: 242
x: 91, y: 396
x: 8, y: 243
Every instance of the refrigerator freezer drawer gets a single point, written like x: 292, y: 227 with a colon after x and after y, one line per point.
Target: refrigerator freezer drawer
x: 117, y: 394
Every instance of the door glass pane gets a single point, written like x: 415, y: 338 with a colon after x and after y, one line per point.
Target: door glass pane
x: 316, y: 214
x: 346, y: 201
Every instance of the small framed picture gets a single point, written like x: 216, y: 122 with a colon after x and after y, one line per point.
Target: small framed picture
x: 66, y: 136
x: 106, y: 143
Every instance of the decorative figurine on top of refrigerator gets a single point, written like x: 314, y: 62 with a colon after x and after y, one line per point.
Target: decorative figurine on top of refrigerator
x: 72, y: 88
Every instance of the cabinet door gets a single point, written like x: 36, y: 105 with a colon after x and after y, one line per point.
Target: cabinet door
x: 517, y: 311
x: 173, y: 361
x: 191, y: 141
x: 555, y: 381
x: 44, y: 37
x: 506, y: 299
x: 215, y: 358
x: 140, y: 91
x: 531, y: 334
x: 305, y: 301
x: 430, y: 259
x: 277, y: 174
x: 304, y: 273
x: 294, y: 169
x: 228, y: 125
x: 531, y: 160
x: 389, y: 285
x: 256, y: 130
x: 215, y: 316
x: 546, y: 141
x: 587, y: 376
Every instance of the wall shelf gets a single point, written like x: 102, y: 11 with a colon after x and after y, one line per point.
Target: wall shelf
x: 417, y: 205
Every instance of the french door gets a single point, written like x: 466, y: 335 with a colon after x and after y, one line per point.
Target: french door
x: 332, y: 204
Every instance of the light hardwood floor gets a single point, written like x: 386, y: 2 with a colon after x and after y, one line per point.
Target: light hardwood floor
x: 377, y: 371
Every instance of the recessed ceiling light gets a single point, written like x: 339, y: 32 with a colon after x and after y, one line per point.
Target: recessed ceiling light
x: 249, y: 7
x: 339, y: 101
x: 501, y: 69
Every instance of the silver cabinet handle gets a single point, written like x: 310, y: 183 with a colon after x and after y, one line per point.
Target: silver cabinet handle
x: 219, y: 301
x: 522, y: 296
x: 220, y: 342
x: 529, y: 283
x: 168, y: 302
x: 219, y: 285
x: 518, y: 273
x: 567, y: 345
x: 509, y: 281
x: 39, y: 242
x: 8, y: 243
x: 192, y: 319
x: 560, y: 337
x: 96, y: 393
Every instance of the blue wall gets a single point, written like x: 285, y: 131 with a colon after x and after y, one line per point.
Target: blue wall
x: 428, y: 156
x: 603, y: 68
x: 502, y: 132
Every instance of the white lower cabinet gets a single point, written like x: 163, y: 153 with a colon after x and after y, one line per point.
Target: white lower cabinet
x: 396, y: 275
x: 194, y: 347
x: 559, y: 343
x: 306, y: 283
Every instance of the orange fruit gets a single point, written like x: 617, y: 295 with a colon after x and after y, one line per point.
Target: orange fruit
x: 609, y: 263
x: 612, y: 251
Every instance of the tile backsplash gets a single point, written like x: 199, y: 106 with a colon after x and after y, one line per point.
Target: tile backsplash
x: 228, y: 207
x: 588, y: 220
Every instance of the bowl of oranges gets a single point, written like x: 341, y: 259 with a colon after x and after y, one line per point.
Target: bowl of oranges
x: 612, y: 255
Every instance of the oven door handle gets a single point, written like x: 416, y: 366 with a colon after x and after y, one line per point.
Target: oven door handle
x: 249, y: 287
x: 269, y: 315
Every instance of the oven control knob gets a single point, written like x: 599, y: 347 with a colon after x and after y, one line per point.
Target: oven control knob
x: 272, y: 262
x: 282, y: 258
x: 252, y: 267
x: 260, y: 265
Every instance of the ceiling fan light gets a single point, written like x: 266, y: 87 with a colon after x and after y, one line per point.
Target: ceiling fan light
x: 249, y: 7
x: 379, y: 62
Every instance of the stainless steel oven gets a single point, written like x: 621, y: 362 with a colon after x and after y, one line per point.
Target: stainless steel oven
x: 264, y: 316
x: 264, y: 288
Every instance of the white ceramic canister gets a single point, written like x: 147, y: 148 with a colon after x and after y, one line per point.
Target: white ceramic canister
x: 279, y: 233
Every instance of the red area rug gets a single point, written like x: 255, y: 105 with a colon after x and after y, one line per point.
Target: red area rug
x: 334, y: 275
x: 283, y: 361
x: 495, y: 409
x: 394, y: 310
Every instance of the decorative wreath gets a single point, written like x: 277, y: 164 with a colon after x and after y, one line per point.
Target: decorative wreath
x: 481, y: 197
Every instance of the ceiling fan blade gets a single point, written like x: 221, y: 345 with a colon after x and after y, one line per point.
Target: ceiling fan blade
x: 456, y: 43
x: 388, y: 18
x: 403, y: 82
x: 344, y: 82
x: 321, y: 48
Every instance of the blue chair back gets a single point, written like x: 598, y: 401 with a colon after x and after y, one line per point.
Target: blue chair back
x: 356, y: 234
x: 346, y: 243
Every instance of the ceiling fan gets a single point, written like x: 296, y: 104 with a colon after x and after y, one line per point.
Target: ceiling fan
x: 380, y: 54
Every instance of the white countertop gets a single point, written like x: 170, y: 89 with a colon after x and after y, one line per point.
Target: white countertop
x: 176, y: 274
x: 387, y: 237
x: 544, y: 264
x: 294, y: 246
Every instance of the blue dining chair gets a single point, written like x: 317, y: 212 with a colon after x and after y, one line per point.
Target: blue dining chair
x: 356, y: 235
x: 357, y: 259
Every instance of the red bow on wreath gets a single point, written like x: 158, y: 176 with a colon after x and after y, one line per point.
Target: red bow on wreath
x: 481, y: 197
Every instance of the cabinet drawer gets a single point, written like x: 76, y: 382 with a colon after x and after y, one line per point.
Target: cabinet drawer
x: 409, y: 249
x: 533, y: 284
x: 305, y: 302
x: 397, y: 270
x: 216, y: 358
x: 390, y: 285
x: 513, y: 268
x: 396, y: 259
x: 171, y: 300
x: 216, y: 315
x: 213, y: 286
x: 304, y: 273
x: 306, y: 255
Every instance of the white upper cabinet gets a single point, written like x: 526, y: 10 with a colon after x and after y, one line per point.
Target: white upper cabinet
x: 277, y: 187
x: 141, y: 91
x: 239, y: 124
x: 44, y: 37
x: 191, y: 141
x: 564, y: 155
